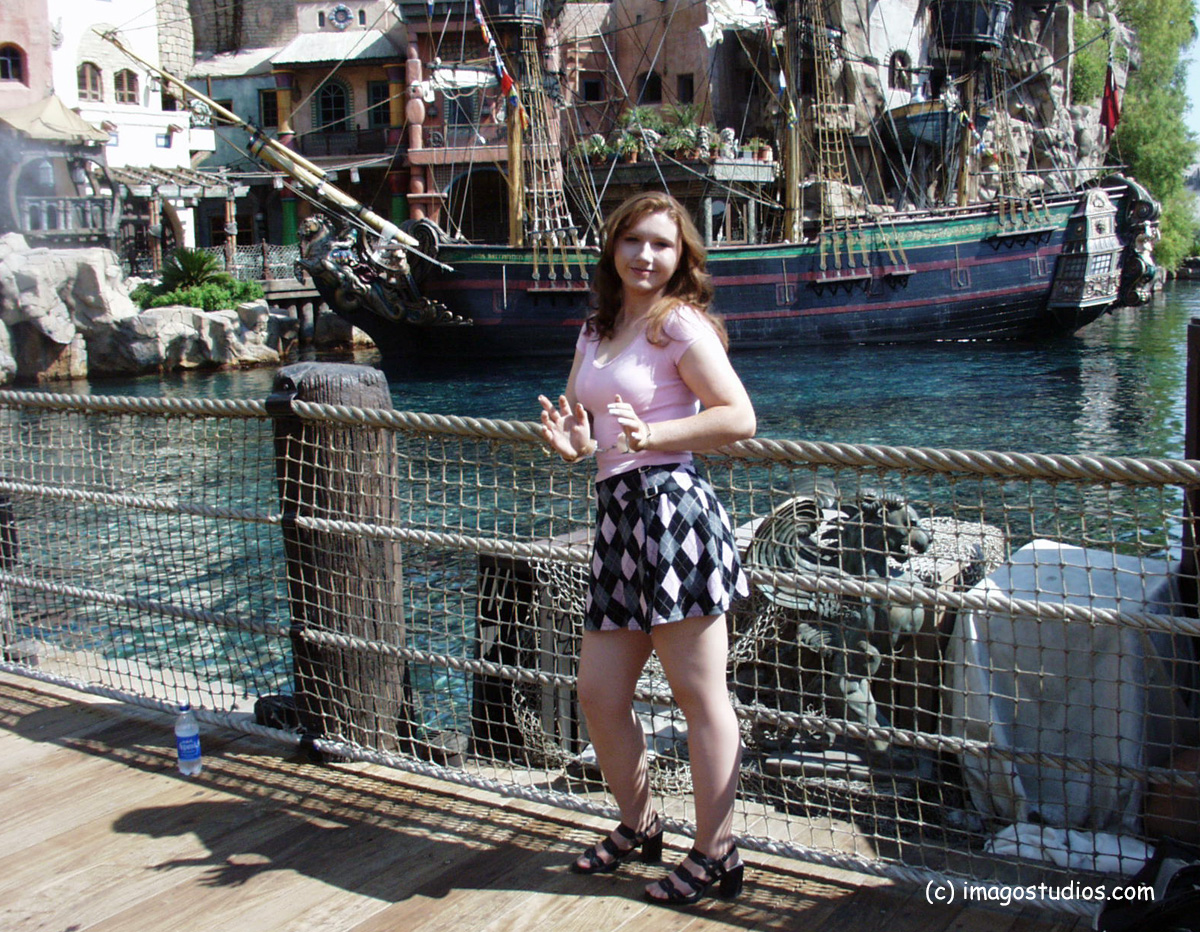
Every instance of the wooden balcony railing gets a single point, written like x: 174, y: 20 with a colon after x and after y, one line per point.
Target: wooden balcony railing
x: 66, y: 217
x: 371, y: 141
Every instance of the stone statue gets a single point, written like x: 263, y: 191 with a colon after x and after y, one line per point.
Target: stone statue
x: 821, y: 533
x: 728, y: 143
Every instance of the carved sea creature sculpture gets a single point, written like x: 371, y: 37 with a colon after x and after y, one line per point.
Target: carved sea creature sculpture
x: 820, y: 533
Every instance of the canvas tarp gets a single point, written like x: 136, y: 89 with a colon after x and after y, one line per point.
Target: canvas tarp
x: 49, y: 120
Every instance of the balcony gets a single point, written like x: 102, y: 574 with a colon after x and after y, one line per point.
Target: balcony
x: 371, y: 141
x: 63, y: 219
x: 497, y: 11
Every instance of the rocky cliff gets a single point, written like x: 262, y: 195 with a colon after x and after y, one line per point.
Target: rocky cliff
x: 66, y: 313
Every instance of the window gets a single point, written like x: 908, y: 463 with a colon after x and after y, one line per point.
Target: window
x: 378, y: 97
x: 462, y: 109
x: 685, y: 88
x: 362, y: 17
x: 333, y: 109
x: 321, y: 20
x: 163, y: 140
x: 593, y: 89
x: 125, y: 87
x: 12, y: 64
x: 268, y: 107
x: 900, y: 70
x: 89, y: 82
x: 649, y: 88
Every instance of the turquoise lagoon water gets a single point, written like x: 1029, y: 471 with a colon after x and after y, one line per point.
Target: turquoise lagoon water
x: 1117, y: 388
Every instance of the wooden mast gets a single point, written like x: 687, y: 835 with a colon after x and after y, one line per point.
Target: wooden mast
x: 516, y: 176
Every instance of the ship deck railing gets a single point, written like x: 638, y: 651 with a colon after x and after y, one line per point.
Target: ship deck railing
x: 955, y: 667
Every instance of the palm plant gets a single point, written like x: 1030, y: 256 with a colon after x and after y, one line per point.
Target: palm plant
x: 190, y: 268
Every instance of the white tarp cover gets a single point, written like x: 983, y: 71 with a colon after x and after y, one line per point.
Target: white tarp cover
x: 49, y: 120
x: 735, y: 14
x: 1088, y: 692
x: 462, y: 79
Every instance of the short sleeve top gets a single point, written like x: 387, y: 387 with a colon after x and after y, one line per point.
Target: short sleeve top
x: 646, y: 376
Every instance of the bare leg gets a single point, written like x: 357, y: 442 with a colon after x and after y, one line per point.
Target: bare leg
x: 694, y: 655
x: 609, y: 665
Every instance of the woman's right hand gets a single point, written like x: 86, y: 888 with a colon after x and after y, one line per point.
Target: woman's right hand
x: 567, y: 432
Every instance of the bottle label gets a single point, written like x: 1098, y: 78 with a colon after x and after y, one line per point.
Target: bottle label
x: 189, y: 747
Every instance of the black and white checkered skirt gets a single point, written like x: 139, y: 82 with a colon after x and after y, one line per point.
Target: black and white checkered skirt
x: 664, y: 551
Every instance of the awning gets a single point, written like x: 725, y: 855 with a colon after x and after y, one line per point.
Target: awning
x: 175, y: 182
x: 309, y: 48
x: 49, y: 120
x: 233, y: 64
x: 446, y: 78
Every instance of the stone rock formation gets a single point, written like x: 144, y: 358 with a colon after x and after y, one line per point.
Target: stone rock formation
x: 66, y: 313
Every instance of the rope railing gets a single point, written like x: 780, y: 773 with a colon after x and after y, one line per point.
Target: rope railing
x: 940, y: 646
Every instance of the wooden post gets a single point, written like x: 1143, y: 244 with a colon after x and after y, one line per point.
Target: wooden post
x: 340, y: 583
x: 230, y: 233
x: 516, y: 175
x: 8, y: 559
x: 1189, y: 567
x: 155, y: 238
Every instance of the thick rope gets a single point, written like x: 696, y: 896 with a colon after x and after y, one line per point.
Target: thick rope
x: 992, y: 464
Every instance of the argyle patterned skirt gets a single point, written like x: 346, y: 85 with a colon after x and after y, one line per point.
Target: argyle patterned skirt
x: 664, y: 551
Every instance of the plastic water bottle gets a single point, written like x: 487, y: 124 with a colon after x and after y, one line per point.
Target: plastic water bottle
x: 187, y: 741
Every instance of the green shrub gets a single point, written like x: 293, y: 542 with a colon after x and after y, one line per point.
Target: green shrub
x: 211, y: 296
x: 1090, y: 63
x: 143, y: 294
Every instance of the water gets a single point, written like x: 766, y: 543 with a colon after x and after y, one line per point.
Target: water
x: 1117, y: 388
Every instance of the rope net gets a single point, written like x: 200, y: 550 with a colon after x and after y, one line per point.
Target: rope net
x: 952, y: 663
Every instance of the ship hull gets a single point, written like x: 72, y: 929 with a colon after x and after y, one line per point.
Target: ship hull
x: 960, y: 276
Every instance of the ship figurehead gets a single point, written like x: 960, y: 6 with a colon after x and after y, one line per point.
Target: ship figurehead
x: 354, y: 280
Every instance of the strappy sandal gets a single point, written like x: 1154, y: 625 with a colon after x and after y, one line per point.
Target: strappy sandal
x: 650, y: 842
x: 682, y: 887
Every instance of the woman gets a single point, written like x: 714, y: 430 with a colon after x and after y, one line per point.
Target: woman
x: 651, y: 367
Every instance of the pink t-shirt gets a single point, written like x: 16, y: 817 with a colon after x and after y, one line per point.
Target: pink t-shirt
x: 647, y: 377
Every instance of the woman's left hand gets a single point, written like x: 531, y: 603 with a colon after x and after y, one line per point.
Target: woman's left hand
x: 636, y: 432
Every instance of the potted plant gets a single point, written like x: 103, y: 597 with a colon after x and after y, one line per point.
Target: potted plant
x: 594, y: 149
x: 629, y: 146
x: 641, y: 118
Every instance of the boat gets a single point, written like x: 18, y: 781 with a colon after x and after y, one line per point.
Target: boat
x: 947, y: 240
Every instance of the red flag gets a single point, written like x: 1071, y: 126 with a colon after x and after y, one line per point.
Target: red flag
x: 1110, y: 107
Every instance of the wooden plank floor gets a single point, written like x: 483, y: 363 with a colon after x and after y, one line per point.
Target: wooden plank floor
x: 99, y: 832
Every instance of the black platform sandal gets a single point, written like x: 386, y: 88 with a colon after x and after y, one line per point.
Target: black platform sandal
x: 650, y: 842
x: 690, y: 888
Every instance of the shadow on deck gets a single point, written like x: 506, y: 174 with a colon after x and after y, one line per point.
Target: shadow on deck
x: 101, y: 833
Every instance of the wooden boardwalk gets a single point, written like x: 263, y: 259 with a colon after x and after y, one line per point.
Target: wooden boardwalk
x: 101, y: 833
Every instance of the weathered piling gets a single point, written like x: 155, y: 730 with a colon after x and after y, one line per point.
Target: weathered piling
x: 340, y: 583
x: 1189, y: 567
x: 8, y: 559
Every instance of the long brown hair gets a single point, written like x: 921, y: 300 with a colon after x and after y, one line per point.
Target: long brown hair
x: 691, y: 284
